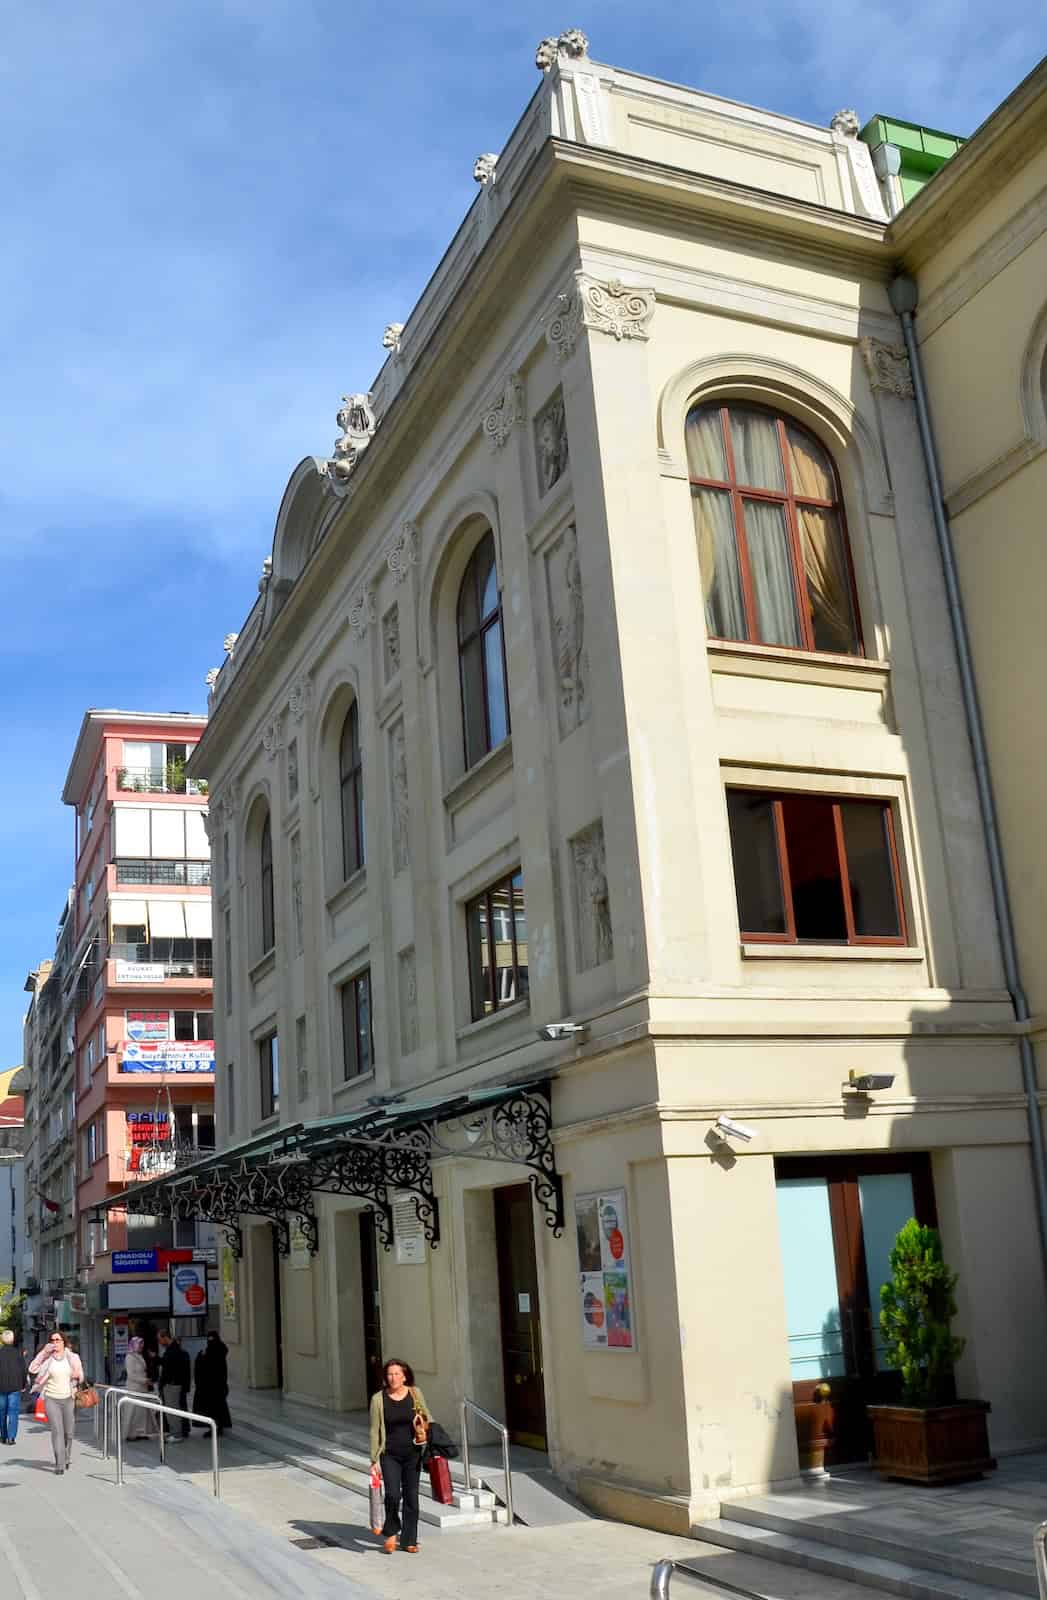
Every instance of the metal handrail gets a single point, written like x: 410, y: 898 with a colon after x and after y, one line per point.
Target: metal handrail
x: 660, y: 1579
x: 663, y: 1572
x: 168, y: 1411
x: 500, y: 1428
x: 1039, y: 1550
x: 109, y: 1389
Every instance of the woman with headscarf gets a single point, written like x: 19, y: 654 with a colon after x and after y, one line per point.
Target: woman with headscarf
x: 211, y: 1383
x: 139, y: 1423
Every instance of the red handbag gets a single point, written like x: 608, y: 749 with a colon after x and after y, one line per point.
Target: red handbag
x: 440, y: 1479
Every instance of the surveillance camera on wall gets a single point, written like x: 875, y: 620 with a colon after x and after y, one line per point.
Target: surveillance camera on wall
x: 727, y: 1128
x: 563, y: 1030
x: 868, y: 1082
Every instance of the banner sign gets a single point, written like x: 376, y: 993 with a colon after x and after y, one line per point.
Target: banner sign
x: 605, y: 1277
x: 188, y: 1286
x: 148, y: 1127
x: 167, y: 1055
x: 148, y: 1024
x: 140, y: 971
x: 134, y: 1260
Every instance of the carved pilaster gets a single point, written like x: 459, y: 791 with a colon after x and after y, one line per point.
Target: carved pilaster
x: 361, y: 612
x: 888, y: 367
x: 301, y: 693
x: 501, y: 417
x: 402, y: 554
x: 616, y: 308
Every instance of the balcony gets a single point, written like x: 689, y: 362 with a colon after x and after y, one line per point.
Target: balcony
x: 159, y: 780
x: 190, y: 874
x: 154, y: 1160
x: 160, y: 959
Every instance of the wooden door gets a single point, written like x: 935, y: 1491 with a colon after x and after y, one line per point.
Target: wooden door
x: 372, y: 1310
x: 838, y: 1218
x: 520, y: 1316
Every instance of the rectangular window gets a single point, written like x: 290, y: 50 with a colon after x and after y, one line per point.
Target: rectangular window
x: 269, y: 1074
x: 185, y: 1025
x: 357, y: 1035
x: 815, y: 869
x: 496, y: 925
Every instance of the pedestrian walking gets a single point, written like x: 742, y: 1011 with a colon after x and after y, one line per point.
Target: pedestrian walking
x: 139, y: 1423
x: 399, y: 1429
x: 58, y: 1374
x: 12, y: 1382
x: 175, y: 1377
x: 211, y: 1383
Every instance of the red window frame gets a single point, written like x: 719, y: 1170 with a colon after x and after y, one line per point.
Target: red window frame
x: 486, y: 621
x: 900, y: 940
x: 789, y: 499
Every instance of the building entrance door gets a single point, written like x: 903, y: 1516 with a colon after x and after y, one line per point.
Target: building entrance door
x: 838, y: 1218
x: 520, y: 1316
x: 372, y: 1309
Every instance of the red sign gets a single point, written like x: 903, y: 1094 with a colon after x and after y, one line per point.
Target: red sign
x: 195, y: 1296
x: 616, y: 1244
x: 172, y: 1258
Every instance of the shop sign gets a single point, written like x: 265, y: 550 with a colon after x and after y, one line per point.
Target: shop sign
x: 148, y: 1127
x: 408, y: 1232
x: 121, y: 1333
x: 188, y: 1287
x: 134, y: 1261
x: 78, y: 1302
x: 605, y: 1272
x: 148, y: 1024
x: 140, y: 972
x: 168, y: 1055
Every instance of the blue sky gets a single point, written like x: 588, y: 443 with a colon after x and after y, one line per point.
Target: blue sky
x: 210, y: 212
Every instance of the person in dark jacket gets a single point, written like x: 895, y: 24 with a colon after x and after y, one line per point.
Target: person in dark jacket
x: 175, y: 1374
x: 12, y: 1382
x: 211, y: 1377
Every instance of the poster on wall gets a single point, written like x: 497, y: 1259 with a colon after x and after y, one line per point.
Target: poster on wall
x: 188, y: 1286
x: 300, y: 1257
x: 229, y: 1310
x: 148, y: 1025
x: 408, y: 1232
x: 604, y: 1271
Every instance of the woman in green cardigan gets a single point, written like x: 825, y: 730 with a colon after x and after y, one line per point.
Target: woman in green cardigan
x: 399, y: 1429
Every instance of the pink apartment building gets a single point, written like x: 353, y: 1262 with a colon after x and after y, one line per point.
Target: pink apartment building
x: 144, y: 1026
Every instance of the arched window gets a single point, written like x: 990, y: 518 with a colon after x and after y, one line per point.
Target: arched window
x: 771, y: 539
x: 481, y: 655
x: 265, y: 885
x: 351, y: 793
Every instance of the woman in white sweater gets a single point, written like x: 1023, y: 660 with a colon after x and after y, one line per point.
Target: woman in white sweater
x: 138, y: 1422
x: 58, y: 1375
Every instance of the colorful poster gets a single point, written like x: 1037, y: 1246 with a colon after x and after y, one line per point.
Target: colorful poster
x: 188, y: 1284
x: 167, y: 1055
x: 148, y: 1024
x: 605, y: 1273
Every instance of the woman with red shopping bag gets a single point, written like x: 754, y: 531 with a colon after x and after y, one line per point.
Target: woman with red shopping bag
x: 399, y: 1433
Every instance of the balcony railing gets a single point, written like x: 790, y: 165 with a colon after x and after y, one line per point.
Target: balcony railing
x: 152, y: 1160
x: 193, y: 874
x: 169, y: 963
x: 159, y: 780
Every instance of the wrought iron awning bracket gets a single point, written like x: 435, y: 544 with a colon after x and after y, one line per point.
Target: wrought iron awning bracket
x: 516, y: 1131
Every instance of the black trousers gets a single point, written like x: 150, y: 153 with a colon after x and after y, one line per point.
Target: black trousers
x: 400, y: 1478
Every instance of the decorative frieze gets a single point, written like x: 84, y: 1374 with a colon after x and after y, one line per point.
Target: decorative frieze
x: 888, y: 367
x: 272, y: 738
x: 503, y: 415
x: 567, y: 632
x: 391, y: 643
x: 616, y: 308
x: 594, y: 935
x: 550, y: 442
x: 358, y: 423
x: 399, y: 798
x: 299, y: 698
x: 403, y: 553
x: 571, y: 45
x: 292, y: 771
x: 361, y: 612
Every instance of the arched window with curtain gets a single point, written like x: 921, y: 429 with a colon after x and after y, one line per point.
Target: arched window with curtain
x: 351, y: 792
x: 265, y: 886
x: 481, y: 655
x: 772, y: 543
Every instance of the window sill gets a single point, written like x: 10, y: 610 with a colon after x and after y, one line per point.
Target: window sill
x: 267, y: 1123
x: 350, y: 890
x: 758, y: 951
x: 263, y: 966
x: 353, y: 1083
x: 807, y: 666
x: 482, y: 773
x: 517, y: 1008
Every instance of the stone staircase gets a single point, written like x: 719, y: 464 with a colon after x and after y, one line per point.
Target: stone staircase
x: 824, y: 1534
x: 341, y: 1456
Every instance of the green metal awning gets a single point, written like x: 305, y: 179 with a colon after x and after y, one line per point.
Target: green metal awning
x: 384, y: 1148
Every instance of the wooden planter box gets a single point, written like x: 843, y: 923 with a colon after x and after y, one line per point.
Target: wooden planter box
x: 933, y: 1444
x: 813, y: 1432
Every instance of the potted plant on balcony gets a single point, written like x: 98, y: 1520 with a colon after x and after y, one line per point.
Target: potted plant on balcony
x: 930, y: 1437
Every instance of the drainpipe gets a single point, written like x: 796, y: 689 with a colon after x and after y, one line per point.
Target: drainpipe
x: 904, y: 296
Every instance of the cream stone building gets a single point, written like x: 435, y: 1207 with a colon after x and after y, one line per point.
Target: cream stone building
x: 603, y: 677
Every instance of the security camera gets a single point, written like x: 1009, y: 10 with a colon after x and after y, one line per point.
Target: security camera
x: 727, y: 1128
x: 563, y: 1030
x: 867, y: 1082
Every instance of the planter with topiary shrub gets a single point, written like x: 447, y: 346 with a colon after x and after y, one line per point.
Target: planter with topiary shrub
x: 930, y: 1437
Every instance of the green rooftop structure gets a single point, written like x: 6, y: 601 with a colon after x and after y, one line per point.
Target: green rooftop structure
x: 907, y: 154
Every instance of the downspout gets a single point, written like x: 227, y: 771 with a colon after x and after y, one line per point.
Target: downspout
x: 904, y: 297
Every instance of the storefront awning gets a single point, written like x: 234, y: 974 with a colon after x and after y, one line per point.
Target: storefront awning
x: 384, y: 1149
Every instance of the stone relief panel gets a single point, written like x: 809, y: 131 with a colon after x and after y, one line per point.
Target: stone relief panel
x: 593, y: 934
x: 292, y: 770
x: 391, y: 643
x: 297, y: 907
x: 408, y: 977
x: 567, y: 632
x: 301, y: 1051
x: 550, y: 442
x: 399, y: 800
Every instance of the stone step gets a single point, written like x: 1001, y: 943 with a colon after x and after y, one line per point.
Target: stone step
x: 888, y: 1576
x: 351, y: 1472
x: 353, y: 1455
x: 833, y: 1520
